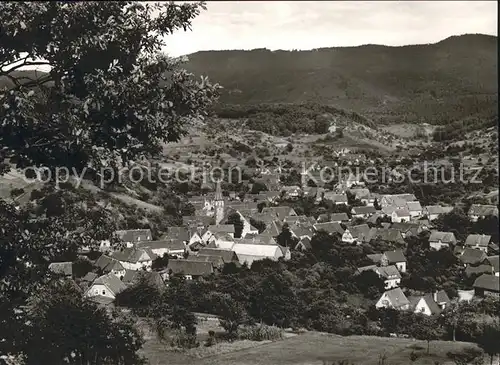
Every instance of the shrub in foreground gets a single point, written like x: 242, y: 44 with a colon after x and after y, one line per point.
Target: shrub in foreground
x: 260, y: 332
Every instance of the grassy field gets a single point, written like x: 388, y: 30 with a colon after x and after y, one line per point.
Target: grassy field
x: 311, y: 348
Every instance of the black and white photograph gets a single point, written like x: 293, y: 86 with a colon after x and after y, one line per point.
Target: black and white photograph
x: 249, y: 183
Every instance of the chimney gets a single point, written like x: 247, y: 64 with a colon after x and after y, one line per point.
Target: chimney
x: 435, y: 296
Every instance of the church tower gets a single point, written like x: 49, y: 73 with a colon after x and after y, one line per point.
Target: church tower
x: 303, y: 178
x: 219, y: 204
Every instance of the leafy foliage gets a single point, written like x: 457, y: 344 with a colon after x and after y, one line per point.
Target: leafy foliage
x: 139, y: 296
x: 107, y: 96
x: 488, y: 339
x: 286, y: 119
x: 232, y: 313
x: 235, y: 220
x: 469, y: 356
x: 64, y: 325
x: 110, y: 95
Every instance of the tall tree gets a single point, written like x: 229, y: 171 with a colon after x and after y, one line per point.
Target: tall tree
x: 235, y: 220
x: 232, y: 313
x: 285, y: 237
x: 426, y: 328
x: 107, y: 94
x: 140, y: 296
x: 174, y: 310
x: 64, y: 327
x: 488, y: 339
x: 34, y: 236
x: 452, y: 315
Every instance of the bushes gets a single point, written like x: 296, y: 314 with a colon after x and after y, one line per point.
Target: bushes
x: 261, y: 332
x: 467, y: 356
x: 16, y: 192
x: 140, y: 296
x: 180, y: 339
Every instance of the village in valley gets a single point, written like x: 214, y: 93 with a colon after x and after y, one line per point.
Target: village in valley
x: 322, y: 206
x: 425, y: 255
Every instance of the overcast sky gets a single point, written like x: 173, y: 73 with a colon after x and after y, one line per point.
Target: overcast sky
x: 315, y: 24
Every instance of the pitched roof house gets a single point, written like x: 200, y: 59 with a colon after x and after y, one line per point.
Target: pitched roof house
x: 434, y: 211
x: 364, y: 196
x: 360, y: 193
x: 477, y: 211
x: 301, y: 220
x: 472, y: 256
x: 273, y: 229
x: 106, y: 286
x: 485, y: 268
x: 216, y: 261
x: 291, y: 191
x: 493, y: 261
x: 304, y: 244
x: 329, y: 227
x: 363, y: 211
x: 62, y: 268
x: 197, y: 221
x: 337, y: 217
x: 270, y: 196
x: 478, y: 241
x: 132, y: 236
x: 135, y: 259
x: 399, y: 201
x: 152, y: 277
x: 248, y: 253
x: 190, y: 269
x: 390, y: 274
x: 430, y: 304
x: 110, y: 265
x: 221, y: 240
x: 387, y: 234
x: 395, y: 257
x: 280, y: 212
x: 300, y: 231
x: 335, y: 198
x: 177, y: 233
x: 394, y: 298
x: 159, y: 248
x: 227, y: 256
x: 438, y: 240
x: 487, y: 285
x: 227, y: 229
x: 400, y: 215
x: 414, y: 208
x: 358, y: 233
x: 259, y: 239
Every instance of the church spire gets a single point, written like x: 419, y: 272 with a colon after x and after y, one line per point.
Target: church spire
x: 218, y: 191
x: 219, y: 204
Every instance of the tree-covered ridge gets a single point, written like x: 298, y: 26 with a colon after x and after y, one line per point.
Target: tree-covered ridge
x: 435, y: 83
x: 285, y: 119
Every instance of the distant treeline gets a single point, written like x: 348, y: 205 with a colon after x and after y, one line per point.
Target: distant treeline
x: 458, y: 129
x: 286, y: 119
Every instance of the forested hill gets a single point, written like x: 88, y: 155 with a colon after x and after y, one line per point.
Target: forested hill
x: 436, y: 83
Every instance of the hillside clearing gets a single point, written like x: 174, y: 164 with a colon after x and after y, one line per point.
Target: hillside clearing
x: 314, y: 348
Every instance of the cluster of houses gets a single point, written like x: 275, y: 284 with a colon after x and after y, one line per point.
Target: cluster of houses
x: 206, y: 242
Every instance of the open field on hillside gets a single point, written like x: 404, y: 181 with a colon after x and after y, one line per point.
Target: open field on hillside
x: 311, y: 348
x: 405, y: 130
